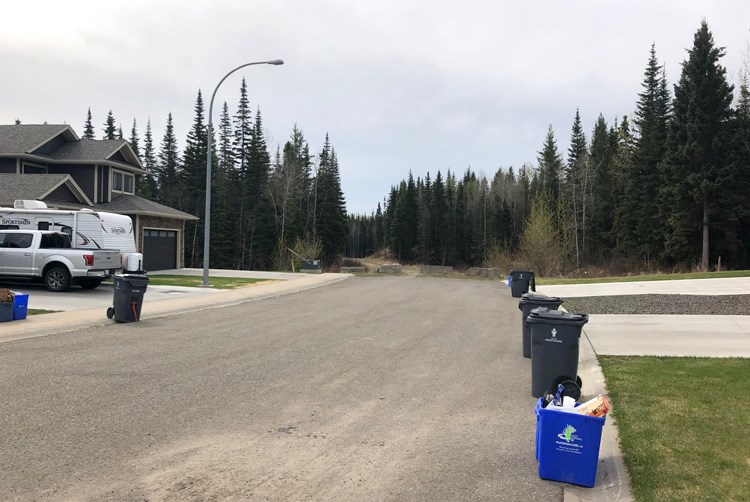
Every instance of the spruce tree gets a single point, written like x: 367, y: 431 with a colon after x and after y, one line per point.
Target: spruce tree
x: 642, y: 191
x: 193, y: 184
x: 110, y: 130
x: 699, y: 176
x: 577, y: 185
x: 168, y: 167
x: 88, y: 127
x: 330, y: 217
x: 550, y: 168
x: 146, y: 186
x: 601, y: 237
x: 135, y: 141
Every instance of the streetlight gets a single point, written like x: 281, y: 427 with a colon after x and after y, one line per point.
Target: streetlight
x: 207, y: 230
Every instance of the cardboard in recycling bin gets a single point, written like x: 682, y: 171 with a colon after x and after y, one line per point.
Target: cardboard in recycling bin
x: 567, y: 445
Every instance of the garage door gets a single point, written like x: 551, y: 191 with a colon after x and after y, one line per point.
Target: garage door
x: 159, y: 249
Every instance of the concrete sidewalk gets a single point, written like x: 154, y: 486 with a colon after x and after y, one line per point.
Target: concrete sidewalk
x: 724, y: 286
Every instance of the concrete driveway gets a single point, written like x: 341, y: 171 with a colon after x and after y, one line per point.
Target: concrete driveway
x: 665, y: 335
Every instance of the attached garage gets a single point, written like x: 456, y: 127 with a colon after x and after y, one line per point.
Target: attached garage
x: 160, y: 249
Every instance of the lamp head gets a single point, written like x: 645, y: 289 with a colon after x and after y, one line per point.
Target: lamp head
x: 275, y: 61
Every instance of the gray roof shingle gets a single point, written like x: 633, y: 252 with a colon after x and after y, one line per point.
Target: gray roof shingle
x: 17, y: 139
x: 27, y: 186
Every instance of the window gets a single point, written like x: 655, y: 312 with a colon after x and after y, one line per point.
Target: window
x: 116, y: 181
x: 18, y: 240
x: 122, y: 182
x: 27, y: 168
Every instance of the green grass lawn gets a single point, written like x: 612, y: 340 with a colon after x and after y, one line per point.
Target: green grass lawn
x: 636, y: 278
x: 684, y: 426
x: 197, y: 281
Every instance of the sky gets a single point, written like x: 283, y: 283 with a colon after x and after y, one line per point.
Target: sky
x: 398, y: 85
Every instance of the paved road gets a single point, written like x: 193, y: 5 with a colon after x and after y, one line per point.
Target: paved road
x: 367, y: 389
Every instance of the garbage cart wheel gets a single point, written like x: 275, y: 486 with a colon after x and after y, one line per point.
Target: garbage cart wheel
x: 570, y: 388
x: 110, y: 312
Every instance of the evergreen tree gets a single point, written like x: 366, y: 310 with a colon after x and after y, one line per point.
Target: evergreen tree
x: 643, y: 187
x: 577, y: 182
x: 146, y: 186
x: 193, y: 184
x: 168, y: 167
x: 699, y: 176
x: 258, y: 229
x: 243, y: 131
x: 88, y: 127
x: 330, y: 217
x: 550, y: 169
x: 601, y: 237
x: 110, y: 130
x: 135, y: 141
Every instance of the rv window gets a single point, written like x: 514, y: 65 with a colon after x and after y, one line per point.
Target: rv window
x: 43, y: 225
x: 9, y: 227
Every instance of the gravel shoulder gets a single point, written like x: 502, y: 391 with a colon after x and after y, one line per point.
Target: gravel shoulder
x: 660, y: 304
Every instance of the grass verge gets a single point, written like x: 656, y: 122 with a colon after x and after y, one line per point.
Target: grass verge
x: 683, y: 425
x: 40, y: 311
x: 197, y: 281
x: 637, y: 278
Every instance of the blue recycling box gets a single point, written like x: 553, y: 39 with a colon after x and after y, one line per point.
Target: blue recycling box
x: 20, y: 306
x: 567, y: 445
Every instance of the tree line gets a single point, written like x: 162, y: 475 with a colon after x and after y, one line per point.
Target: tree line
x: 262, y: 205
x: 667, y: 187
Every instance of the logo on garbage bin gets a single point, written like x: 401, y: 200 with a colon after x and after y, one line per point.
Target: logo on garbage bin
x: 568, y: 434
x: 554, y: 332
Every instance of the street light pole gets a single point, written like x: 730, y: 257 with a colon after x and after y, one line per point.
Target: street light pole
x: 207, y: 229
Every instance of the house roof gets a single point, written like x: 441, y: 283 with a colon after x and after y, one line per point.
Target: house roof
x: 24, y: 138
x: 28, y: 140
x: 38, y: 186
x: 35, y: 187
x: 133, y: 204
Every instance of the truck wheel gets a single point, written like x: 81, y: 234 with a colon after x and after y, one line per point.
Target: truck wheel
x: 89, y: 283
x: 57, y: 279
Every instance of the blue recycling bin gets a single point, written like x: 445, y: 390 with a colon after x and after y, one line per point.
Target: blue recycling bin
x: 20, y: 306
x: 567, y: 445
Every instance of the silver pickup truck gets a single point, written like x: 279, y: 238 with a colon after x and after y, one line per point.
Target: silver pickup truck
x: 47, y: 256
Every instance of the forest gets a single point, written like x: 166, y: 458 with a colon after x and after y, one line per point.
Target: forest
x: 665, y: 188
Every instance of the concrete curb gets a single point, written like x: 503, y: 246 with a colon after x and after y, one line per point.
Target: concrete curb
x: 612, y: 479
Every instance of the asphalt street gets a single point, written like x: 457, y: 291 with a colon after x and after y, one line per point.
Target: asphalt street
x: 367, y: 389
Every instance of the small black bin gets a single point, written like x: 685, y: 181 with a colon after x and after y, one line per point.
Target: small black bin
x: 555, y: 337
x: 520, y: 281
x: 530, y: 301
x: 128, y: 299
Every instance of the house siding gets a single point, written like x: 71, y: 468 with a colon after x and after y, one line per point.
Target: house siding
x: 62, y: 194
x: 83, y: 176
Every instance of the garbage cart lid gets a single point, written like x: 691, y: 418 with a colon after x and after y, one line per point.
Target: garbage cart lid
x: 540, y: 299
x: 515, y: 272
x: 543, y: 314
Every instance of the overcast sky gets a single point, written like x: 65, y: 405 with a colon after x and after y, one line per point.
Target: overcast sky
x: 420, y: 85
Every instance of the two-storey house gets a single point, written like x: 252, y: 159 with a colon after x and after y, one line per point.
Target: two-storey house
x: 52, y: 164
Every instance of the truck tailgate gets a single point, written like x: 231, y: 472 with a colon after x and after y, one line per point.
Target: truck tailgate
x: 106, y: 259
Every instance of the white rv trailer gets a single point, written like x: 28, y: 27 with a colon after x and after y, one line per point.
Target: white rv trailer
x: 87, y: 229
